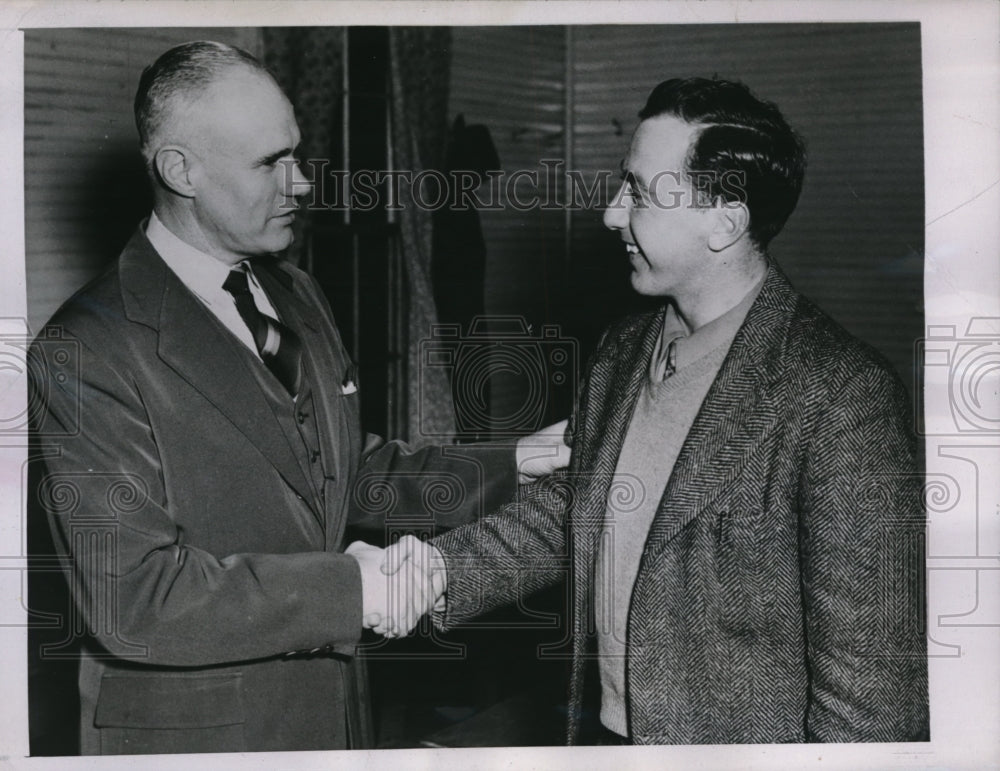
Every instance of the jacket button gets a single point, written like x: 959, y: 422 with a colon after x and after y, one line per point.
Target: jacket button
x: 301, y: 417
x: 315, y: 456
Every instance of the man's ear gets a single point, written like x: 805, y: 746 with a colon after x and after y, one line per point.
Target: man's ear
x: 730, y: 222
x: 173, y: 164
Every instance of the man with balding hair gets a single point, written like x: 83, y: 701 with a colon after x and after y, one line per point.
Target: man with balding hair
x: 212, y: 477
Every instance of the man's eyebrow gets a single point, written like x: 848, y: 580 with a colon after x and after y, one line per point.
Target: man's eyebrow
x: 633, y: 178
x: 269, y: 160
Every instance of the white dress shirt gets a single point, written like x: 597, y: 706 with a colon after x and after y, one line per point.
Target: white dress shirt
x: 204, y: 275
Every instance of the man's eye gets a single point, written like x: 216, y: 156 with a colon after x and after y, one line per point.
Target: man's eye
x: 272, y: 163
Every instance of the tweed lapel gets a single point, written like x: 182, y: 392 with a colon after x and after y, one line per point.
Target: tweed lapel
x: 615, y: 382
x: 195, y: 345
x: 614, y: 385
x: 612, y: 390
x: 741, y: 408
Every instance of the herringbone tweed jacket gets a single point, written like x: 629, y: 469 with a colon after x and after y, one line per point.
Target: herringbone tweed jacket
x: 778, y: 595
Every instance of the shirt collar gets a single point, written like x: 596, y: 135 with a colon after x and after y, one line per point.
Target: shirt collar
x: 200, y: 272
x: 720, y: 331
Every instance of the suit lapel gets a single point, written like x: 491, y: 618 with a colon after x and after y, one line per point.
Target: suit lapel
x: 196, y: 346
x: 319, y: 358
x: 741, y: 408
x: 278, y: 287
x: 325, y: 360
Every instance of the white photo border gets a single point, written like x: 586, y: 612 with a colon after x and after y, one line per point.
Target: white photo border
x: 961, y: 80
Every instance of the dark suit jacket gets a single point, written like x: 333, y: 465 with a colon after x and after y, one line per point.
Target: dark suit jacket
x: 205, y: 561
x: 778, y: 595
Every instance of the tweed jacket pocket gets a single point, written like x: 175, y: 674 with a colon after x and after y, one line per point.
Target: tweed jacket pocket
x: 173, y: 713
x: 708, y: 472
x: 741, y: 548
x: 726, y: 550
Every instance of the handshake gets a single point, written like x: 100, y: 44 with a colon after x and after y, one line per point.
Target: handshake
x: 402, y: 582
x: 399, y: 584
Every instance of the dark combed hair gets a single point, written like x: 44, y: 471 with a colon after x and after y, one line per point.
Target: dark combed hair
x: 744, y: 138
x: 182, y: 71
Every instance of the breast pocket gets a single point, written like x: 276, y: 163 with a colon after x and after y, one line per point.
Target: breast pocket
x: 349, y: 406
x: 171, y: 713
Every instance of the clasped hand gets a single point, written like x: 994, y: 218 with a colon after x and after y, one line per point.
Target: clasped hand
x: 402, y: 582
x: 399, y: 584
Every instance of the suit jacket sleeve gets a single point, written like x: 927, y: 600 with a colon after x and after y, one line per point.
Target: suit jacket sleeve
x: 136, y: 580
x: 861, y: 532
x: 442, y: 486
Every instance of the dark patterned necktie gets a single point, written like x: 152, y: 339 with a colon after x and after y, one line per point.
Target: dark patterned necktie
x: 278, y: 346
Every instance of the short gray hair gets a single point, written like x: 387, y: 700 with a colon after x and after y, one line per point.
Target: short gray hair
x: 183, y: 71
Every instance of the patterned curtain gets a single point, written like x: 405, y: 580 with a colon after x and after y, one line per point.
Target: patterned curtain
x: 307, y: 64
x: 420, y: 61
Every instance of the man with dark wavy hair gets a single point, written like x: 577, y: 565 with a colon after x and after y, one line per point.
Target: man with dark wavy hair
x: 741, y: 517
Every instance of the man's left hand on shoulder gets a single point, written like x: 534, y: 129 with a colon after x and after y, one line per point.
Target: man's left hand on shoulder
x: 542, y: 452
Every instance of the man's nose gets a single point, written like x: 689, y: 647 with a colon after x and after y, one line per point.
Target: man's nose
x: 296, y: 183
x: 616, y: 215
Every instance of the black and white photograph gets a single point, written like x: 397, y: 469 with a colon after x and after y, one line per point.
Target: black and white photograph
x: 477, y: 384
